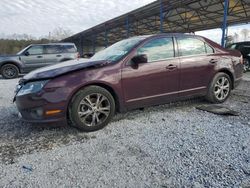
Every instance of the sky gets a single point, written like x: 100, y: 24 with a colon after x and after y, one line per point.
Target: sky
x: 39, y: 17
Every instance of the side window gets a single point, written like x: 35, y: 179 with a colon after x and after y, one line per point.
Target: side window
x: 35, y: 50
x: 158, y: 49
x: 191, y: 46
x: 53, y: 49
x: 69, y: 49
x: 209, y: 49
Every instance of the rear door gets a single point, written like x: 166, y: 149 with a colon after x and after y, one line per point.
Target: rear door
x: 33, y: 58
x: 156, y: 81
x: 197, y: 62
x: 69, y: 51
x: 53, y: 54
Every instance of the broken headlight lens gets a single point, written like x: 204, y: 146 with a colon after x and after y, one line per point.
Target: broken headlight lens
x: 31, y: 87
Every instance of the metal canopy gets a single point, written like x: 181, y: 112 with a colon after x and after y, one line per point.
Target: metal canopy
x: 183, y: 16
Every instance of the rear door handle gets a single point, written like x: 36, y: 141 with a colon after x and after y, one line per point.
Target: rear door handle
x: 171, y: 67
x: 58, y: 55
x: 39, y: 56
x: 213, y: 61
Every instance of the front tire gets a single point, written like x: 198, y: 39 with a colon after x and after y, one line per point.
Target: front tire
x: 220, y: 88
x: 9, y: 71
x: 91, y: 108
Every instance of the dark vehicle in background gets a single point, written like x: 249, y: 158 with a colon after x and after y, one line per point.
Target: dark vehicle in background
x: 244, y: 48
x: 35, y: 56
x: 87, y: 55
x: 136, y: 72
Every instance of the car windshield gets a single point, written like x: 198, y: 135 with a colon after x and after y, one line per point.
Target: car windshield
x: 117, y: 50
x: 19, y: 53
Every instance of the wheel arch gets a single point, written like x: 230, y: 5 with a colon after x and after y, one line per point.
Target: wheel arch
x: 230, y: 74
x: 11, y: 62
x: 100, y: 84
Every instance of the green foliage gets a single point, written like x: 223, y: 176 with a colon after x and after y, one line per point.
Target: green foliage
x: 10, y: 46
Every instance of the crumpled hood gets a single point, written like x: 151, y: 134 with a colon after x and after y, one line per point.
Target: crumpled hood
x: 62, y: 68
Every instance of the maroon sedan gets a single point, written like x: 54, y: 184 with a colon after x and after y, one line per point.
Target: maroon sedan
x: 136, y: 72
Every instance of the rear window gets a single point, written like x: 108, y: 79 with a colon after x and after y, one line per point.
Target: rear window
x: 193, y: 46
x: 53, y: 49
x: 69, y: 49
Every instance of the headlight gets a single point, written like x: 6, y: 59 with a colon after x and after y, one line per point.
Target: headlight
x: 31, y: 87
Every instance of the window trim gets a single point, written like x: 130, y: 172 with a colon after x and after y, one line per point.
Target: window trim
x: 205, y: 43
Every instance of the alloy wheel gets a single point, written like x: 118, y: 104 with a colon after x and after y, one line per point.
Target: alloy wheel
x: 9, y: 72
x: 222, y: 88
x: 94, y: 109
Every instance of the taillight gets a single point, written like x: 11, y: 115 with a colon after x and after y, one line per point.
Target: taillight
x: 78, y: 55
x: 241, y: 59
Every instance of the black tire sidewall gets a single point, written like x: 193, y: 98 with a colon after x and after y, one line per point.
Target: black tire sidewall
x: 211, y: 95
x: 73, y: 107
x: 12, y: 66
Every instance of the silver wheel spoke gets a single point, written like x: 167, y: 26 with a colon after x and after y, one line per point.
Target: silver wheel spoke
x: 222, y: 81
x: 85, y: 103
x: 217, y: 85
x: 222, y: 94
x: 83, y: 114
x: 104, y: 110
x: 98, y: 99
x: 94, y: 109
x: 97, y: 118
x: 217, y: 93
x: 88, y: 100
x: 93, y: 120
x: 222, y: 88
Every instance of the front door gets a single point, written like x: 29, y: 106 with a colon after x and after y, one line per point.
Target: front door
x: 33, y: 58
x: 154, y: 82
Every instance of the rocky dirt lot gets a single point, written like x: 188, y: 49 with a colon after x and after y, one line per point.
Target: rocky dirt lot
x: 173, y: 145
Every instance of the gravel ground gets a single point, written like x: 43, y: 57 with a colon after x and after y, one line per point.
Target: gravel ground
x: 173, y: 145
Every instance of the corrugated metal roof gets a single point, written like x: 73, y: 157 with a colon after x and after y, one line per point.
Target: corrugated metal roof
x: 177, y: 16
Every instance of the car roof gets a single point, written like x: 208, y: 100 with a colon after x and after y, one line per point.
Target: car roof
x: 166, y: 34
x: 61, y: 43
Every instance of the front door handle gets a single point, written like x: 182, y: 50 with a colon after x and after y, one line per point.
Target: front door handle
x: 39, y: 56
x: 58, y: 55
x: 213, y: 61
x: 171, y: 67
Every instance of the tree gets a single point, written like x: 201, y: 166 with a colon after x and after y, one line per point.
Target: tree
x: 59, y: 34
x: 245, y: 33
x: 229, y: 40
x: 236, y: 37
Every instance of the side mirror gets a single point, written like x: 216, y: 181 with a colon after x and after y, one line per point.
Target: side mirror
x: 138, y: 59
x: 26, y: 53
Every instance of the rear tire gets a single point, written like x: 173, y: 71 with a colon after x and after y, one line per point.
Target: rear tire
x: 220, y: 88
x: 91, y: 109
x: 9, y: 71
